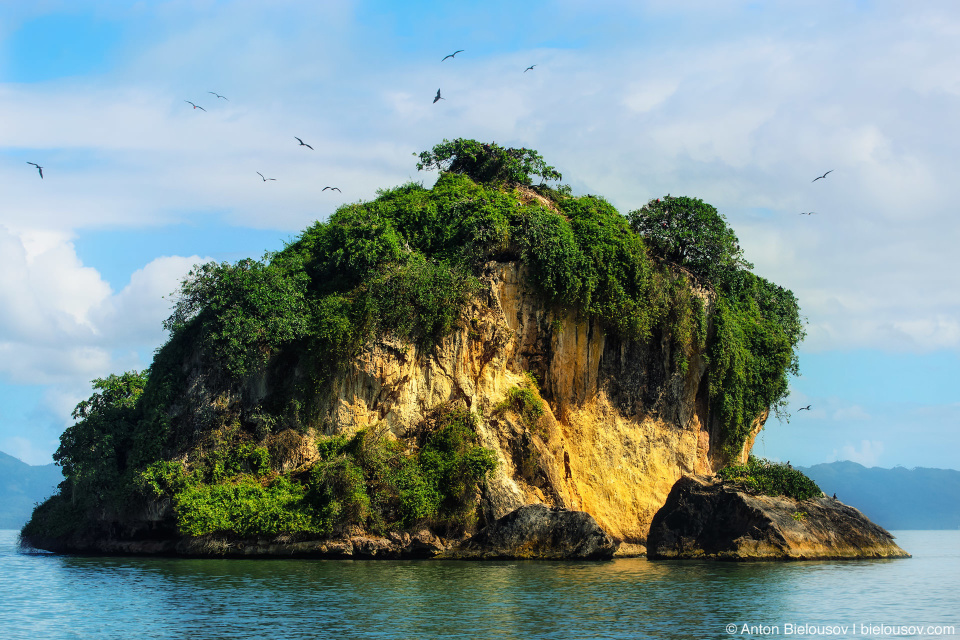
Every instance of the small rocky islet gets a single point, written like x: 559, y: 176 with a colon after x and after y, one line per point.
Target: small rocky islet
x: 488, y: 368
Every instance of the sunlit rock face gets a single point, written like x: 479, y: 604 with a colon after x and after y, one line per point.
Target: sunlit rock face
x: 620, y: 426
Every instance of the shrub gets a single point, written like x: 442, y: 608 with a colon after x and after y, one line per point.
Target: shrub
x: 772, y: 479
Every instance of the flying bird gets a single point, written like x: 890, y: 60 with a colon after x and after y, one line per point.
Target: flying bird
x: 530, y: 68
x: 303, y: 144
x: 334, y: 188
x: 438, y: 97
x: 452, y: 54
x: 218, y: 95
x: 823, y: 176
x: 807, y: 213
x: 806, y: 408
x: 195, y: 106
x: 39, y: 168
x: 264, y: 179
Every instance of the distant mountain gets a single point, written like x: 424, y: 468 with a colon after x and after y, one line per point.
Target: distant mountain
x: 22, y: 486
x: 895, y: 498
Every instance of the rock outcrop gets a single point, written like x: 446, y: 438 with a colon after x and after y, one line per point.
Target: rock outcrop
x: 538, y: 532
x: 706, y: 518
x: 621, y: 423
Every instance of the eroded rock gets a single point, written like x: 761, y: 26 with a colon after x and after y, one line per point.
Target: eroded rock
x: 705, y: 518
x: 536, y: 531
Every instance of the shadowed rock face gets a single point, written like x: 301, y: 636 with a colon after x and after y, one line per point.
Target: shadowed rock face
x: 538, y: 532
x: 705, y: 518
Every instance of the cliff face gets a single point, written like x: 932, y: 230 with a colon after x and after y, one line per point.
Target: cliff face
x: 619, y: 427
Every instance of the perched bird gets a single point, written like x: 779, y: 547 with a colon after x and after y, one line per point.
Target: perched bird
x: 821, y: 177
x: 807, y: 213
x: 39, y: 168
x: 303, y: 144
x: 195, y: 106
x: 438, y: 97
x: 331, y: 189
x: 218, y: 95
x: 452, y: 54
x: 806, y: 408
x: 264, y: 179
x: 530, y: 68
x: 834, y: 496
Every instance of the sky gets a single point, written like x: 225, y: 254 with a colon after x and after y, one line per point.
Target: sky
x: 741, y: 104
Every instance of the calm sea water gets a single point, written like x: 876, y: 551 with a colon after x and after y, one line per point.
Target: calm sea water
x: 45, y: 596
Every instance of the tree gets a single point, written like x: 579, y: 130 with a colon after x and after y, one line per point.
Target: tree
x: 487, y: 162
x: 693, y: 234
x: 94, y: 451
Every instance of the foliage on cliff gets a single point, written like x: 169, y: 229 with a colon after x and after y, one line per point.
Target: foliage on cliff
x: 406, y: 264
x: 771, y: 479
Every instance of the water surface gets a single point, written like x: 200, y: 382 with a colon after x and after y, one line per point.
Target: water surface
x: 46, y: 596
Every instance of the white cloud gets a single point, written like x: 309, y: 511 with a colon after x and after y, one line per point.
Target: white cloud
x: 27, y: 450
x: 868, y: 454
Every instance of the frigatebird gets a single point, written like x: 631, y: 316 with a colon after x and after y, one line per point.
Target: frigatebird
x: 452, y: 54
x: 264, y: 179
x: 530, y: 68
x: 438, y: 97
x: 195, y: 106
x: 807, y: 213
x: 823, y: 176
x: 218, y: 95
x: 303, y: 144
x: 806, y: 408
x: 39, y: 168
x: 331, y: 189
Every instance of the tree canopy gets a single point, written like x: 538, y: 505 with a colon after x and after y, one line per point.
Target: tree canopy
x: 487, y: 162
x: 690, y: 233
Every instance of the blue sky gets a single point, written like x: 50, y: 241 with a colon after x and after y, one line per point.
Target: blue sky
x: 739, y: 103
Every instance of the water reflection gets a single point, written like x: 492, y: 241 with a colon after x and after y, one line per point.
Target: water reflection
x: 67, y: 597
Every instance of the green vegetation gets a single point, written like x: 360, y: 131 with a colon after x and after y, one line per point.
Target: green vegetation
x: 757, y: 324
x: 253, y: 346
x: 771, y: 479
x: 489, y: 163
x: 525, y: 401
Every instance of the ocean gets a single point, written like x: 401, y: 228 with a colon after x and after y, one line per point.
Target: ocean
x: 45, y: 596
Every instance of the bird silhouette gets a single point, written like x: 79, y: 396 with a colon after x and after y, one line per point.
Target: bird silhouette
x: 303, y: 144
x: 821, y: 177
x: 39, y: 168
x: 264, y: 179
x: 452, y: 54
x: 218, y: 95
x: 806, y: 408
x: 331, y: 189
x: 807, y: 213
x: 195, y: 106
x: 438, y: 97
x: 530, y: 68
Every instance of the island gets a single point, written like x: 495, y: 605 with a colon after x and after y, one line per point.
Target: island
x: 485, y: 368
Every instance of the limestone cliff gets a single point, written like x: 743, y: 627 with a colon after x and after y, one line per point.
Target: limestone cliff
x: 620, y: 427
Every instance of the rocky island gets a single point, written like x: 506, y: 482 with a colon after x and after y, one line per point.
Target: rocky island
x: 487, y: 368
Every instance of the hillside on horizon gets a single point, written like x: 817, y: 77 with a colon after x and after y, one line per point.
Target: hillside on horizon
x: 22, y: 486
x: 898, y: 498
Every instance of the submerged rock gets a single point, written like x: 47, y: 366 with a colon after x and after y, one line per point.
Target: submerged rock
x: 706, y: 518
x: 537, y: 531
